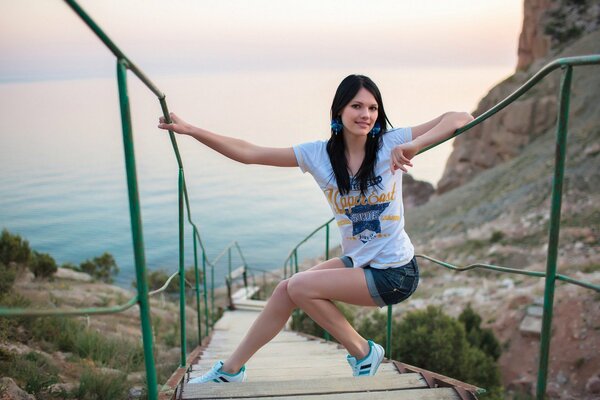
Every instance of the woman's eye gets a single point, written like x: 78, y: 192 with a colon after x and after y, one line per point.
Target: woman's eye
x: 356, y: 106
x: 373, y: 108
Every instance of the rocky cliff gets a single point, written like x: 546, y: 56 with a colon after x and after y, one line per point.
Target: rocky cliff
x: 550, y: 28
x: 498, y: 214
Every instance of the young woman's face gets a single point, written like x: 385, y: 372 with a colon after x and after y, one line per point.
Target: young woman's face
x: 359, y: 116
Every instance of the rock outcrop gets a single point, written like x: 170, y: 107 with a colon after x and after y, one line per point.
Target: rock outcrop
x: 533, y: 43
x: 549, y: 27
x: 415, y: 192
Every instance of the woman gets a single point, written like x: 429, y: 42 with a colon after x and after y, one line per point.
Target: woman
x: 355, y: 169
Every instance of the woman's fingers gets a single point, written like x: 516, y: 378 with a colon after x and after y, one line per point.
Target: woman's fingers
x: 399, y: 161
x: 163, y: 124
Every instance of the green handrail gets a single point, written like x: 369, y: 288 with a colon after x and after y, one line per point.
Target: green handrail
x: 566, y: 64
x: 30, y: 312
x: 142, y: 298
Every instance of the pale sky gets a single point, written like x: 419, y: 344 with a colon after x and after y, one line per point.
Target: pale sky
x: 44, y: 39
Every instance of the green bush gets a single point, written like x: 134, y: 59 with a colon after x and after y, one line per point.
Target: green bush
x: 102, y: 268
x: 497, y: 236
x: 70, y: 335
x: 33, y: 372
x: 434, y: 341
x: 9, y: 326
x: 7, y: 279
x: 13, y: 249
x: 483, y: 339
x: 437, y: 342
x: 101, y: 386
x: 42, y: 265
x: 71, y: 266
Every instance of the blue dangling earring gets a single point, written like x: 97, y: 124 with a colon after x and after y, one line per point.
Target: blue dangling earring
x: 376, y: 129
x: 336, y: 125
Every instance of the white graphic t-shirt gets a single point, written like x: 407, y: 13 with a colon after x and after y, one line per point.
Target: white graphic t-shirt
x: 372, y: 227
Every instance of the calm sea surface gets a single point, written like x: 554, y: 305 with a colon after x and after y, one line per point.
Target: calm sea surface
x: 63, y: 185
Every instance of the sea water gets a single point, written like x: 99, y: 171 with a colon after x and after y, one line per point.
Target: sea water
x: 63, y: 183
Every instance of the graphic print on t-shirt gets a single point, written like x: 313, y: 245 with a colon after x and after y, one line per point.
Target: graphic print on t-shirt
x: 365, y: 220
x: 364, y: 212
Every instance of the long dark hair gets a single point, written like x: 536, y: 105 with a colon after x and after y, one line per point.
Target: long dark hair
x: 336, y: 147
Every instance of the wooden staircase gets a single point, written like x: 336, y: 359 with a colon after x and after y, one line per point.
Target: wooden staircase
x: 295, y: 366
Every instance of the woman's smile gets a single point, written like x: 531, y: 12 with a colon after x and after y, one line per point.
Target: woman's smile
x: 359, y: 116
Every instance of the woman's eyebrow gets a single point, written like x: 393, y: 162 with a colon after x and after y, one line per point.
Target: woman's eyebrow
x: 361, y: 103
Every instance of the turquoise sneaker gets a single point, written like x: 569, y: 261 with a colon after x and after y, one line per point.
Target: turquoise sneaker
x: 368, y: 365
x: 216, y: 375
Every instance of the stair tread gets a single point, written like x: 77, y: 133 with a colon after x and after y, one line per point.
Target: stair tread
x: 304, y: 387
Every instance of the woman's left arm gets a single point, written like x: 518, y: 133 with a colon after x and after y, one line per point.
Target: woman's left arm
x: 425, y: 135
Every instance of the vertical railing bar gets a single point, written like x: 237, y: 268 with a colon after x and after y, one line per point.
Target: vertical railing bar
x: 204, y: 282
x: 182, y: 321
x: 553, y: 235
x: 212, y: 295
x: 388, y: 337
x: 197, y: 287
x: 327, y: 241
x: 137, y: 232
x: 296, y: 261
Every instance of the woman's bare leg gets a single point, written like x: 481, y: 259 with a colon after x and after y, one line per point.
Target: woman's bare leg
x: 314, y: 291
x: 269, y: 322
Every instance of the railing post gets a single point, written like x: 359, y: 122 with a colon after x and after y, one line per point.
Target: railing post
x: 559, y: 169
x: 296, y: 261
x: 228, y: 279
x: 204, y: 281
x: 388, y: 337
x: 137, y: 232
x: 327, y: 241
x: 229, y: 263
x: 212, y: 295
x: 197, y: 287
x: 182, y: 324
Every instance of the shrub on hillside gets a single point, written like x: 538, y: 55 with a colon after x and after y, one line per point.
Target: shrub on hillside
x: 434, y: 341
x: 9, y: 327
x: 13, y: 249
x: 42, y: 265
x: 483, y: 339
x: 102, y: 268
x: 67, y: 334
x: 33, y: 372
x: 7, y: 279
x: 96, y: 385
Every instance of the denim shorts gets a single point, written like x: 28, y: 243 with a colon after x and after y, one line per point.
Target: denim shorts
x: 392, y: 285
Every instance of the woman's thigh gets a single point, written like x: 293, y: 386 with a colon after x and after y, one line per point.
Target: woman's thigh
x: 332, y: 263
x: 348, y: 285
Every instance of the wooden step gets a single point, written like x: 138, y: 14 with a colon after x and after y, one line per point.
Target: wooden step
x: 303, y: 387
x: 266, y: 373
x: 405, y: 394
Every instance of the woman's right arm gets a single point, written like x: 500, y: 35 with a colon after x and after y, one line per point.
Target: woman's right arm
x: 236, y: 149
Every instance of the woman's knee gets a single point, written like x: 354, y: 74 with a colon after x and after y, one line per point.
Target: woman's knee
x: 297, y: 287
x: 281, y: 290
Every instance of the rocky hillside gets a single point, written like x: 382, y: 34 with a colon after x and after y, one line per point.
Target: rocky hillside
x: 551, y: 29
x: 492, y: 206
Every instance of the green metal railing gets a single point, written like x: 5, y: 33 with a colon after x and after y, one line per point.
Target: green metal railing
x: 566, y: 64
x: 142, y: 298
